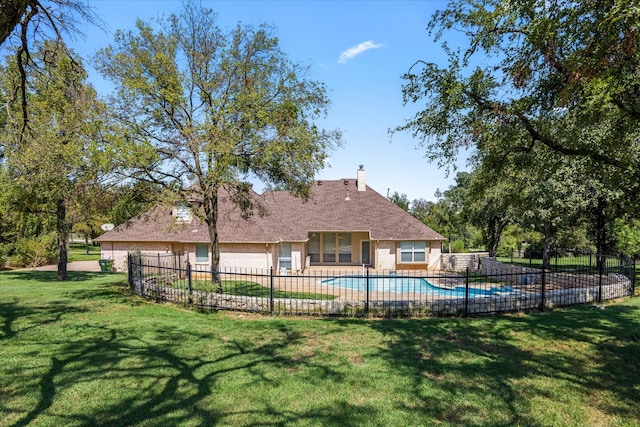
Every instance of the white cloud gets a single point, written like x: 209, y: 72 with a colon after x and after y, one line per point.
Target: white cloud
x: 352, y: 52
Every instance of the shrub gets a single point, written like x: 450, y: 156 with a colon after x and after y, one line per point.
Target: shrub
x: 457, y: 246
x: 34, y: 252
x: 4, y: 251
x: 506, y: 249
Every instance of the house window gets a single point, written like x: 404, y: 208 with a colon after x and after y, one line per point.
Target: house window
x: 329, y: 247
x: 412, y: 252
x: 344, y: 247
x: 202, y: 252
x: 284, y: 256
x: 313, y: 247
x: 183, y: 214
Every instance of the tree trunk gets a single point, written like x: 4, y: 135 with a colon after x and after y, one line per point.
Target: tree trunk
x: 86, y: 244
x: 494, y: 232
x: 601, y: 234
x: 10, y: 13
x: 210, y: 202
x: 63, y: 237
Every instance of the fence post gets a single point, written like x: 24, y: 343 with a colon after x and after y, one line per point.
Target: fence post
x: 601, y: 261
x: 129, y: 271
x: 633, y: 278
x: 141, y: 274
x: 544, y: 287
x: 366, y: 303
x: 189, y: 282
x: 271, y: 279
x: 466, y: 294
x: 189, y: 277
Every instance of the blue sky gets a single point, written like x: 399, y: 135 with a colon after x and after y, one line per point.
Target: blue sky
x: 359, y: 49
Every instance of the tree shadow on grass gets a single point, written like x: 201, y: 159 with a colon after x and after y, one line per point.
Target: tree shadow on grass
x: 158, y: 384
x: 27, y: 276
x: 12, y: 311
x: 449, y: 365
x: 453, y: 363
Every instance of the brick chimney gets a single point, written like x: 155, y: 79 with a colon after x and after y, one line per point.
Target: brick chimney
x: 362, y: 185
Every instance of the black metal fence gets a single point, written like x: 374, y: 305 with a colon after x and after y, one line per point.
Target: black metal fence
x: 494, y: 288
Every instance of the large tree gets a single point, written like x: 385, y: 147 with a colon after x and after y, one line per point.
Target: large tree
x: 60, y: 154
x: 525, y: 64
x: 32, y: 20
x: 25, y: 23
x: 213, y: 108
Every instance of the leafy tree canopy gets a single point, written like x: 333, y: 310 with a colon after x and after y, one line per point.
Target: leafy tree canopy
x: 25, y: 23
x: 51, y: 165
x: 526, y: 65
x: 202, y: 106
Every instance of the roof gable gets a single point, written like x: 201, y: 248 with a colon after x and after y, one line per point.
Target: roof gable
x: 337, y: 205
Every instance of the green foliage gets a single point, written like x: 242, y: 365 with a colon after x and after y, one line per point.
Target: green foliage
x: 4, y: 251
x: 545, y: 96
x: 128, y: 201
x: 506, y: 248
x: 457, y: 246
x: 449, y: 214
x: 53, y: 155
x: 401, y: 200
x: 34, y: 252
x: 516, y: 239
x: 523, y: 65
x: 628, y: 236
x: 199, y: 105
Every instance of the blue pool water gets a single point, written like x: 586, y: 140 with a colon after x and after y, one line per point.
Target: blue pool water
x: 401, y: 285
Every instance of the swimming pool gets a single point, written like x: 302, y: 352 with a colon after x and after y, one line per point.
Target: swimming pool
x: 400, y: 285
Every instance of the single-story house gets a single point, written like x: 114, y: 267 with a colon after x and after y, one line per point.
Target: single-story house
x: 344, y: 223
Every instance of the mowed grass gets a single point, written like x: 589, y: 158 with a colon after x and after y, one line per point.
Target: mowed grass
x: 252, y: 289
x: 78, y: 252
x: 85, y: 352
x: 563, y: 262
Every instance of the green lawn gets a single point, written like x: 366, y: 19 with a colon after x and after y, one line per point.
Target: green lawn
x: 78, y: 252
x: 85, y: 352
x: 565, y: 262
x: 252, y: 289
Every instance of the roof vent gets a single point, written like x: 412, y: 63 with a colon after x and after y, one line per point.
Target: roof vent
x: 319, y: 182
x: 346, y: 182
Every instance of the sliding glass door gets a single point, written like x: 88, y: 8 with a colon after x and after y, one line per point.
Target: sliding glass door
x: 330, y: 248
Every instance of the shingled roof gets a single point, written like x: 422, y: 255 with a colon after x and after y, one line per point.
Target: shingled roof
x: 334, y: 206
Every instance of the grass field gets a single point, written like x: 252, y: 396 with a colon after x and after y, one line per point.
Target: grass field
x: 252, y: 289
x: 78, y: 252
x: 564, y: 262
x: 85, y: 352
